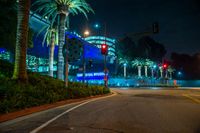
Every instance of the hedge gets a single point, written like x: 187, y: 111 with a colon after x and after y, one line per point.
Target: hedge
x: 39, y: 90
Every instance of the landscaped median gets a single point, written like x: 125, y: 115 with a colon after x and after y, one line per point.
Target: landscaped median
x: 27, y: 111
x: 40, y: 90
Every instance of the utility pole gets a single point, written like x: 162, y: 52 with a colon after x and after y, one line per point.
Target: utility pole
x: 105, y: 67
x: 86, y: 33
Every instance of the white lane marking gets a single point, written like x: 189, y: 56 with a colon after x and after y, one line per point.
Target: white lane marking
x: 67, y: 111
x: 19, y: 119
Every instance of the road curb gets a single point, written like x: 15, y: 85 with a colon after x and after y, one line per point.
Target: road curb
x: 28, y: 111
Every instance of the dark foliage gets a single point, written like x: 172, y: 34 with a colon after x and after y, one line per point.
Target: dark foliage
x: 144, y: 47
x: 188, y: 65
x: 6, y: 69
x: 8, y: 26
x: 151, y: 49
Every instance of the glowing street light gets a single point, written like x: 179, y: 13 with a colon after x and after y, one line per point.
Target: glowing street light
x: 179, y: 73
x: 96, y: 26
x: 86, y: 33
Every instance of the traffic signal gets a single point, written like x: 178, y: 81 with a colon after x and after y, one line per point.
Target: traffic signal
x: 104, y: 49
x: 165, y: 66
x: 155, y: 28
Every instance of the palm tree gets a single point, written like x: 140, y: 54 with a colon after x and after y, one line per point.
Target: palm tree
x: 61, y: 9
x: 51, y: 38
x: 23, y: 11
x: 161, y: 71
x: 138, y: 62
x: 146, y: 65
x: 124, y: 62
x: 149, y: 63
x: 170, y: 70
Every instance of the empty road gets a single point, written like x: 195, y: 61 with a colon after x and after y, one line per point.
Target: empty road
x: 130, y: 111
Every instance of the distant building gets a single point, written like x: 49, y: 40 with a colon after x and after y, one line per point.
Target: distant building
x: 99, y: 40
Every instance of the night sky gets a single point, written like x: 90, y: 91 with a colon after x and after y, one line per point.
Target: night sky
x: 179, y: 21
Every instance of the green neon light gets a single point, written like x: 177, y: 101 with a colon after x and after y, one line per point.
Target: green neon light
x: 100, y: 42
x: 5, y: 55
x: 100, y: 38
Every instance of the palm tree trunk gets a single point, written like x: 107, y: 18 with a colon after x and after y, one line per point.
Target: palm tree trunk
x: 60, y: 47
x: 20, y: 72
x: 139, y: 71
x: 161, y: 73
x: 51, y: 54
x: 166, y: 74
x: 146, y: 71
x: 170, y: 75
x: 125, y: 71
x: 152, y: 73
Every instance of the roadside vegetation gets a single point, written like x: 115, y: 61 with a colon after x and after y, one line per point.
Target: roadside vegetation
x: 39, y: 90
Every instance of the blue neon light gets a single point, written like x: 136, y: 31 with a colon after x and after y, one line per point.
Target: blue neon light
x: 91, y: 76
x: 2, y: 50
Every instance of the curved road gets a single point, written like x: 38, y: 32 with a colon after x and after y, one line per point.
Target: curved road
x: 130, y: 111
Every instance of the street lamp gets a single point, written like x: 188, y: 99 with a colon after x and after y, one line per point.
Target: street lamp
x: 86, y: 33
x: 97, y: 26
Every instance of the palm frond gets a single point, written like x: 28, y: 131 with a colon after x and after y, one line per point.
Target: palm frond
x: 50, y: 8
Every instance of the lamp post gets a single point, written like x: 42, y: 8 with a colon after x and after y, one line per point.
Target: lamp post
x: 105, y: 62
x: 86, y: 33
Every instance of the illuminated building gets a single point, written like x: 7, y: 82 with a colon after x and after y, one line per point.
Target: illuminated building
x: 99, y: 40
x: 38, y: 56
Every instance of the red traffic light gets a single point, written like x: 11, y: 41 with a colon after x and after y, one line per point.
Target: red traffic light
x: 104, y: 49
x: 165, y: 66
x: 103, y: 46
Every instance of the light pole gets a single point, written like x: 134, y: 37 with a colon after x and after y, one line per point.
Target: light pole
x: 97, y: 26
x: 105, y: 62
x: 86, y: 33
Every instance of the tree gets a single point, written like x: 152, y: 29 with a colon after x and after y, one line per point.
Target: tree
x: 148, y: 63
x: 61, y: 9
x: 8, y: 23
x: 51, y: 39
x: 124, y: 63
x: 145, y: 47
x: 170, y: 69
x: 161, y: 71
x: 138, y: 62
x: 187, y: 64
x: 151, y: 49
x: 23, y: 10
x: 126, y: 49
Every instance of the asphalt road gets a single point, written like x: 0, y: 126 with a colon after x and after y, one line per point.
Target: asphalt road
x: 130, y: 111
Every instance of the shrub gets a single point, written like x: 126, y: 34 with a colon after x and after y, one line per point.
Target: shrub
x: 40, y: 90
x: 6, y: 68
